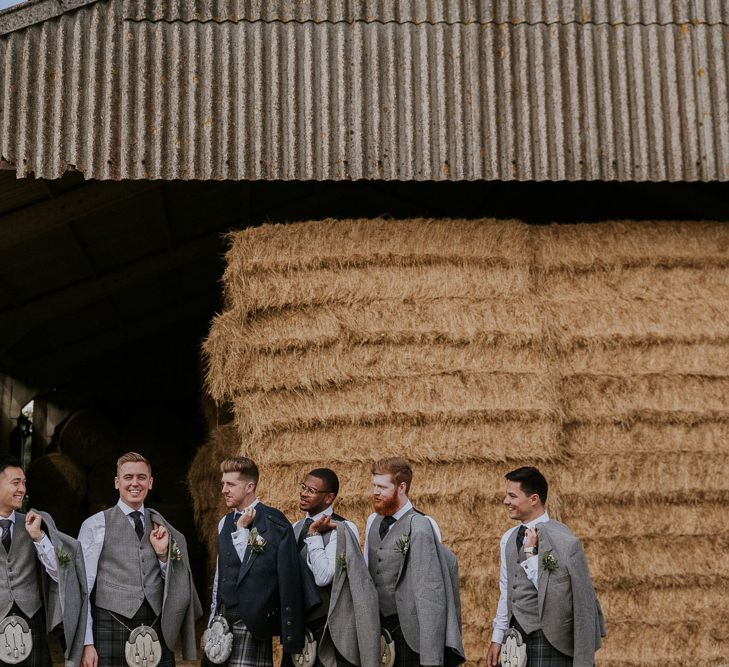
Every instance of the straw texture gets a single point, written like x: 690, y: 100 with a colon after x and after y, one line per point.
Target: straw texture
x: 599, y: 352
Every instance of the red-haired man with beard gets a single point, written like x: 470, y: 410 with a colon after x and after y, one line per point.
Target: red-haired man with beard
x: 415, y: 576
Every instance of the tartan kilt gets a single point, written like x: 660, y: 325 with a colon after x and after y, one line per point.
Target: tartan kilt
x: 404, y: 655
x: 540, y: 653
x: 40, y: 655
x: 110, y: 636
x: 249, y: 651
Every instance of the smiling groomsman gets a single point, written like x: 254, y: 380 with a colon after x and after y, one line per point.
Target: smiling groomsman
x: 138, y: 567
x: 546, y: 590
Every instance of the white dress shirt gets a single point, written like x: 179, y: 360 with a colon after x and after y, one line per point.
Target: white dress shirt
x: 44, y: 549
x: 91, y: 538
x: 397, y: 516
x: 531, y: 568
x: 240, y: 543
x: 321, y: 560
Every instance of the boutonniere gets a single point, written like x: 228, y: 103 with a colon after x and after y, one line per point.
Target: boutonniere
x: 403, y: 544
x: 175, y: 553
x: 342, y: 563
x: 256, y: 542
x: 549, y: 562
x: 63, y: 557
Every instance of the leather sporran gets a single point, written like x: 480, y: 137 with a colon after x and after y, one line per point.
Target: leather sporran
x: 307, y: 657
x: 387, y: 649
x: 513, y: 649
x: 143, y: 648
x: 16, y: 640
x: 218, y: 640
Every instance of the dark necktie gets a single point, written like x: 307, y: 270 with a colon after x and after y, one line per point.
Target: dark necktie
x: 5, y: 523
x: 385, y: 526
x: 520, y: 537
x: 138, y: 527
x: 304, y: 532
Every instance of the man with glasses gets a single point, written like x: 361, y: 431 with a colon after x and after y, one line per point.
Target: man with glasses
x: 329, y: 547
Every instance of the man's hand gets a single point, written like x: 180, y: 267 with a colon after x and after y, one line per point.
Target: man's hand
x: 33, y: 522
x: 322, y: 525
x: 246, y: 518
x: 531, y: 538
x: 159, y: 538
x: 492, y: 655
x: 89, y: 658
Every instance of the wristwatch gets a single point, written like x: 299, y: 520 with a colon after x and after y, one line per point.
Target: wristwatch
x: 530, y: 551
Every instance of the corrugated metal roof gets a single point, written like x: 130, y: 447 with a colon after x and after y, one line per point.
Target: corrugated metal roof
x: 426, y: 90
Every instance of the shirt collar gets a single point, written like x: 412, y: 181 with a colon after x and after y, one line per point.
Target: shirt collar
x: 11, y: 516
x: 327, y: 512
x: 128, y: 510
x: 253, y: 504
x: 402, y: 511
x: 543, y: 518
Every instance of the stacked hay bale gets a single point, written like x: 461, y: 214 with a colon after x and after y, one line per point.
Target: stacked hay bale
x: 598, y: 352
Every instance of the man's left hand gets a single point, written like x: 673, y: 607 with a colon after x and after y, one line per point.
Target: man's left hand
x: 159, y: 538
x: 322, y: 525
x: 33, y: 522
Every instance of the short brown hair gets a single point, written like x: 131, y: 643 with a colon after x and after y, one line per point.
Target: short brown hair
x: 131, y: 457
x: 242, y: 465
x: 396, y: 466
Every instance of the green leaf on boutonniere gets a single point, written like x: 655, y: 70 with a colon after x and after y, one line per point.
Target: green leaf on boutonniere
x: 63, y: 557
x: 341, y: 563
x: 549, y: 562
x: 403, y: 544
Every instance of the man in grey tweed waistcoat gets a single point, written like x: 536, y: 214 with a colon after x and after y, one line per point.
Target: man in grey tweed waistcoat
x: 25, y: 547
x: 138, y: 568
x: 402, y: 547
x: 546, y: 590
x: 316, y: 539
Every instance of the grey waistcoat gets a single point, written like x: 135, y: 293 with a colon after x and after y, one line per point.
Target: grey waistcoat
x: 384, y: 561
x: 128, y: 570
x: 19, y: 572
x: 522, y: 597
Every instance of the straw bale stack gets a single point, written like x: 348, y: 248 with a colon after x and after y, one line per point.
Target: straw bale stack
x: 600, y: 352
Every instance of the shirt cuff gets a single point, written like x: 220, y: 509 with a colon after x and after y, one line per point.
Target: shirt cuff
x: 45, y: 545
x: 498, y: 636
x: 314, y: 541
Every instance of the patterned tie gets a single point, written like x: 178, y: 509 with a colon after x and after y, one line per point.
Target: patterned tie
x: 520, y: 537
x: 138, y: 526
x: 385, y: 526
x: 304, y: 532
x: 5, y: 523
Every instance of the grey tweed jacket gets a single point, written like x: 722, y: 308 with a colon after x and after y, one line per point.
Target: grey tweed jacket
x: 353, y: 621
x: 569, y: 611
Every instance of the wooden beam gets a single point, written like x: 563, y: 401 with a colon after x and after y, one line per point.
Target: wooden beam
x: 18, y: 322
x: 32, y: 221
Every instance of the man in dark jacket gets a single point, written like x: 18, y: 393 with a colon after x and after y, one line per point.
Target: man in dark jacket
x: 257, y: 580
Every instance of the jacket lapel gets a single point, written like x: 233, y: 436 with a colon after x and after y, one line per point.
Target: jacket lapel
x: 544, y: 546
x: 408, y: 524
x: 260, y: 524
x: 339, y: 577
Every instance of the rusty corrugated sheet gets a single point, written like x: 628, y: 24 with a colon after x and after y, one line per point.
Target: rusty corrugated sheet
x: 326, y: 89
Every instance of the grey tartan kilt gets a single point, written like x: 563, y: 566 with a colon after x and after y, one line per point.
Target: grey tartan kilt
x: 40, y: 655
x: 110, y: 635
x: 249, y: 651
x: 540, y: 653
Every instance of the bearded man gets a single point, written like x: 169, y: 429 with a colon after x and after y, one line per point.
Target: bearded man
x: 415, y: 576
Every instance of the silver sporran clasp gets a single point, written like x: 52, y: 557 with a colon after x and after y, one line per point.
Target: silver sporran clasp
x: 218, y: 640
x: 16, y: 640
x: 143, y: 648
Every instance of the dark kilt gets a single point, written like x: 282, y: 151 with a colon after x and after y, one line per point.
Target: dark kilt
x: 40, y: 656
x: 110, y: 635
x: 404, y: 655
x: 249, y: 651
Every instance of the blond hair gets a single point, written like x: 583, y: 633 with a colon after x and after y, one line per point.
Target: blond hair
x: 132, y: 457
x: 242, y: 465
